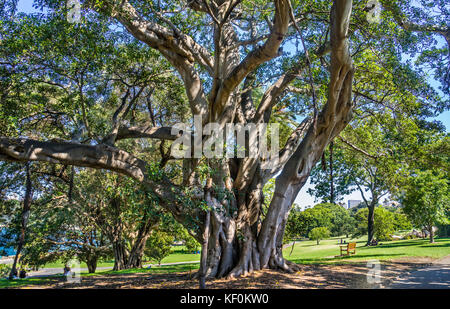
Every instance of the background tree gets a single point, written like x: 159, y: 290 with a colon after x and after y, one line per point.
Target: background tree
x: 159, y: 245
x: 61, y: 231
x: 319, y: 233
x: 385, y: 224
x: 334, y: 217
x: 426, y: 200
x: 125, y: 213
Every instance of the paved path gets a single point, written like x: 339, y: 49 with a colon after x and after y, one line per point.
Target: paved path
x: 45, y: 272
x: 436, y: 276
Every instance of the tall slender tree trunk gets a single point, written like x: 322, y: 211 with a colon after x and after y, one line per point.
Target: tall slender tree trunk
x: 137, y: 250
x: 370, y: 223
x: 431, y: 231
x: 24, y: 221
x: 239, y: 240
x: 332, y: 197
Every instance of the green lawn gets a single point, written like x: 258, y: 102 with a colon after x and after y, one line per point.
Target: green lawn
x: 167, y: 269
x: 5, y: 283
x: 307, y: 252
x: 178, y: 255
x: 59, y: 264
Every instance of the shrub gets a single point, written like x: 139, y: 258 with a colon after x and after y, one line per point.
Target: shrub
x: 5, y: 269
x: 319, y: 233
x: 191, y: 244
x: 410, y: 236
x: 158, y: 246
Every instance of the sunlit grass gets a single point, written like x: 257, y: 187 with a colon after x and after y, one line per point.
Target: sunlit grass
x: 179, y: 254
x: 307, y: 252
x: 5, y: 283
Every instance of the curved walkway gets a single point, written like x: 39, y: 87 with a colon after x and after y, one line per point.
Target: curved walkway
x: 436, y: 276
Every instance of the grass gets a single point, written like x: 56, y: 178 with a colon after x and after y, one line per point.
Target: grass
x: 166, y: 269
x: 178, y: 255
x: 60, y: 264
x: 307, y: 252
x: 5, y: 283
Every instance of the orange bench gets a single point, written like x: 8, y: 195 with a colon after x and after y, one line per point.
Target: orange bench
x: 350, y: 248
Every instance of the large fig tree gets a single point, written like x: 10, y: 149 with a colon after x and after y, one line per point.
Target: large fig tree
x: 240, y: 62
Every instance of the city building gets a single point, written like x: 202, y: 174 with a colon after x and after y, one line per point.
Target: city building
x: 353, y: 203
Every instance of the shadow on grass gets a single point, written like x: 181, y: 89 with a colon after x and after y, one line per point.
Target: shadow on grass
x: 154, y: 269
x: 399, y: 244
x: 349, y: 259
x: 5, y: 283
x: 52, y: 280
x: 436, y: 245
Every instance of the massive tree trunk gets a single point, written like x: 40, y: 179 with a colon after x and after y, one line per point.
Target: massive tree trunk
x: 120, y: 255
x: 91, y: 263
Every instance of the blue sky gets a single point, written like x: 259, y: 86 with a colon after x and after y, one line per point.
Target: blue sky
x: 303, y: 199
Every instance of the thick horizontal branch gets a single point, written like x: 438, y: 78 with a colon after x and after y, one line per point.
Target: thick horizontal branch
x: 147, y: 131
x: 58, y: 152
x: 99, y: 157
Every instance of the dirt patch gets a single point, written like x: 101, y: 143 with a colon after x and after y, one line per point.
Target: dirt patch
x: 310, y: 276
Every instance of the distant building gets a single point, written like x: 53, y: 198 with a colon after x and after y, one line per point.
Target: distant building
x: 353, y: 203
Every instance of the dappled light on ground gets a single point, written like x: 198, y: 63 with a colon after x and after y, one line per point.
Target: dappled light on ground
x: 310, y: 276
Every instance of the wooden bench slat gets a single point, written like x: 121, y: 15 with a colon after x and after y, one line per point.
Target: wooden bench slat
x: 349, y: 248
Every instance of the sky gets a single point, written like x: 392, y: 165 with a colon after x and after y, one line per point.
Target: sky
x: 303, y: 199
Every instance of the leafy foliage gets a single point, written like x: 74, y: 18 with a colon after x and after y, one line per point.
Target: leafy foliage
x: 319, y: 233
x: 159, y: 245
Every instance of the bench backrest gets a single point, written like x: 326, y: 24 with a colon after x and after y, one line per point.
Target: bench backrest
x: 351, y: 245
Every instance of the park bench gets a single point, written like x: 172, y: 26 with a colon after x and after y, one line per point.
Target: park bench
x: 350, y: 248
